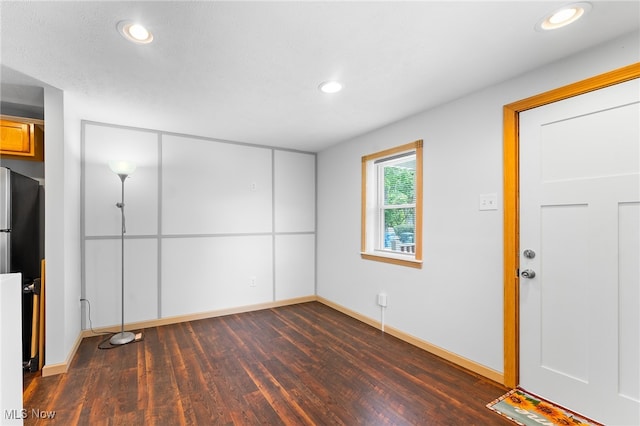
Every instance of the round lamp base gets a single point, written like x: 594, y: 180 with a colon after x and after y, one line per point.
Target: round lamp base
x: 122, y: 338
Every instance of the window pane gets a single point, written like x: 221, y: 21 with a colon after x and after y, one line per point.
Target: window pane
x: 400, y: 228
x: 392, y: 205
x: 399, y: 183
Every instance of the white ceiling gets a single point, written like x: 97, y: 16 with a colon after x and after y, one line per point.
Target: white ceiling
x: 249, y: 71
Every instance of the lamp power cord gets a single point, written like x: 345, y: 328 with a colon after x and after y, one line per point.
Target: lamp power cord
x: 101, y: 345
x: 106, y: 343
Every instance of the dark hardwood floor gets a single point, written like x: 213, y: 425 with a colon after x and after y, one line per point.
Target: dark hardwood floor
x: 300, y: 364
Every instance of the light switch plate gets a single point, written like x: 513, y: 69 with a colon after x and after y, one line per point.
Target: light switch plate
x: 488, y: 202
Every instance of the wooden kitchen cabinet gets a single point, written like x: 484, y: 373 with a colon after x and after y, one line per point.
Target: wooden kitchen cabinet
x: 22, y: 139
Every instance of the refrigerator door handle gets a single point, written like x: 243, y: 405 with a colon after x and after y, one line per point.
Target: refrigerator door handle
x: 5, y: 252
x: 5, y: 198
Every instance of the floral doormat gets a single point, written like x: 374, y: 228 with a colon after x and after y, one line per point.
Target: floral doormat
x: 525, y: 409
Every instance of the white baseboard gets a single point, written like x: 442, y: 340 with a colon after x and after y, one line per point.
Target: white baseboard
x: 201, y: 315
x: 63, y: 367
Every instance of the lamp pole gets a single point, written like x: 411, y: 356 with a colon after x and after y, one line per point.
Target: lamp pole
x: 122, y: 337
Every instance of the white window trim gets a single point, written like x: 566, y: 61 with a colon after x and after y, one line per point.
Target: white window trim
x: 371, y: 211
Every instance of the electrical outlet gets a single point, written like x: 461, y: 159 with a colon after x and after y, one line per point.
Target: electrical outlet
x: 252, y: 281
x: 382, y: 300
x: 488, y: 202
x: 253, y: 187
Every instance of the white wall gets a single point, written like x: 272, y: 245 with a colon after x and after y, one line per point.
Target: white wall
x: 54, y: 240
x: 456, y: 300
x: 210, y: 224
x: 72, y: 261
x: 62, y: 204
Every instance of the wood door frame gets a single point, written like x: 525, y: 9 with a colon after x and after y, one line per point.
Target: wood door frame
x: 511, y: 188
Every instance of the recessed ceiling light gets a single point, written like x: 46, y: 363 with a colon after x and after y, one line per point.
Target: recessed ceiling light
x: 135, y: 32
x: 563, y: 16
x: 330, y: 87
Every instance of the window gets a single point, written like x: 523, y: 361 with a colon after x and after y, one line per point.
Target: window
x: 392, y: 205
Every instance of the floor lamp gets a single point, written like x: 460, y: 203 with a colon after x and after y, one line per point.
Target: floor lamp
x: 123, y: 169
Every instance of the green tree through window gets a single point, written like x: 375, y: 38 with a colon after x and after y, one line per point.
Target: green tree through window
x: 399, y: 203
x: 399, y: 189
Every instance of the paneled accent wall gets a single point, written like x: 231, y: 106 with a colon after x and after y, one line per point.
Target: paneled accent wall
x: 210, y: 224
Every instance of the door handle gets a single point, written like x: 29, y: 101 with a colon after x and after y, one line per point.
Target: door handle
x: 528, y: 273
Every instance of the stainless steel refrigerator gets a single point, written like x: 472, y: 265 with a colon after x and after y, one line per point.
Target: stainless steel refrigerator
x: 20, y: 237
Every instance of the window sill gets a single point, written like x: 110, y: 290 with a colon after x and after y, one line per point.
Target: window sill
x: 396, y: 260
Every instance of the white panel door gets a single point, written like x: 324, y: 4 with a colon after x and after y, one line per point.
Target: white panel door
x: 580, y: 215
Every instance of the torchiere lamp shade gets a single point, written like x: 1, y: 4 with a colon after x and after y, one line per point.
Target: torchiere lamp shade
x: 122, y: 167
